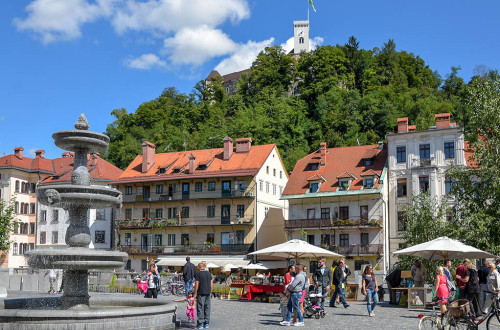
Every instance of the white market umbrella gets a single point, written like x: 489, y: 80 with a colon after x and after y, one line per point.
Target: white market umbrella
x: 212, y: 265
x: 228, y: 267
x: 255, y: 266
x: 295, y: 248
x: 444, y: 248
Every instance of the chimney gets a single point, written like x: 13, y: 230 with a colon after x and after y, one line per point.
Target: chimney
x: 192, y: 163
x: 442, y: 120
x: 18, y: 152
x: 412, y: 128
x: 322, y: 151
x: 243, y: 144
x: 40, y: 153
x: 228, y: 147
x: 403, y: 125
x: 148, y: 156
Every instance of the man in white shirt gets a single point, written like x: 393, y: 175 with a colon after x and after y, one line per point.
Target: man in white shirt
x: 53, y: 276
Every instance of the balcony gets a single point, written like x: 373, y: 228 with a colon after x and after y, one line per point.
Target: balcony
x: 191, y: 195
x: 193, y: 221
x: 358, y: 249
x: 191, y: 249
x: 334, y: 224
x: 423, y: 162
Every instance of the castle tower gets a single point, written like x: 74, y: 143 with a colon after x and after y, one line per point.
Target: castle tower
x: 300, y: 36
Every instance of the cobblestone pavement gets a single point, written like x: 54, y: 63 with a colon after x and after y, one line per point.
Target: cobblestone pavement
x: 257, y: 315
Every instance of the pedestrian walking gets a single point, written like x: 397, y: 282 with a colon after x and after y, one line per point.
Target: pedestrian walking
x: 191, y: 306
x: 203, y: 290
x: 338, y: 278
x: 295, y: 293
x: 493, y: 281
x: 441, y: 289
x: 483, y: 273
x: 188, y: 273
x: 370, y: 289
x: 53, y: 277
x: 322, y: 278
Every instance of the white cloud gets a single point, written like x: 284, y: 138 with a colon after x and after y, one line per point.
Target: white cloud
x: 145, y: 62
x: 194, y: 46
x: 243, y: 57
x: 54, y: 20
x: 173, y: 15
x: 313, y: 43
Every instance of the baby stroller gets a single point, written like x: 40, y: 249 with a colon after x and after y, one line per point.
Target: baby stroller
x: 312, y: 303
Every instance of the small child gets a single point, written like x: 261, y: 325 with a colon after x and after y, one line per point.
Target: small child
x: 283, y: 305
x: 191, y: 306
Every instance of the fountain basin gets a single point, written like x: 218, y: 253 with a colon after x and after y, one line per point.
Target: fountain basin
x: 76, y: 139
x: 108, y: 311
x: 76, y: 258
x: 67, y: 195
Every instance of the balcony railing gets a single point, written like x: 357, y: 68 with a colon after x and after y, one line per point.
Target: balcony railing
x: 190, y: 195
x: 191, y: 249
x: 193, y: 221
x: 327, y: 223
x: 357, y: 249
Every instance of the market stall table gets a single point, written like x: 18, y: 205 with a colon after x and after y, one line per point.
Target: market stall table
x: 250, y: 290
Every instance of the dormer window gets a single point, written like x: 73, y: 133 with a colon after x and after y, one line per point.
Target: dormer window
x: 313, y: 187
x: 162, y: 170
x: 176, y: 170
x: 313, y: 166
x: 368, y: 162
x: 344, y: 184
x: 369, y: 182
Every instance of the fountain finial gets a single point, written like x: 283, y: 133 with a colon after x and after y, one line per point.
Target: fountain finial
x: 82, y: 123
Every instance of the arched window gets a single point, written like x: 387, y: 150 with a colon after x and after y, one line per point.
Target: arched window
x: 23, y: 187
x: 14, y: 248
x: 16, y: 207
x: 17, y: 186
x: 26, y: 206
x: 301, y: 40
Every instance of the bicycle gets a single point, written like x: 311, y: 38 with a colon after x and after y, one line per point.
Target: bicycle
x: 175, y: 288
x: 443, y: 322
x: 492, y: 318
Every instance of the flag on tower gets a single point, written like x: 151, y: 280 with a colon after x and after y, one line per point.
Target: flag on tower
x: 312, y: 4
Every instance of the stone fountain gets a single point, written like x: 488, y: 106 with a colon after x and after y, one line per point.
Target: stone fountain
x: 75, y: 308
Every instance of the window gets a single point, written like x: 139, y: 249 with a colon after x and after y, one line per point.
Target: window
x: 100, y: 214
x: 448, y: 185
x: 210, y: 238
x: 313, y: 187
x: 344, y: 239
x: 55, y: 237
x: 274, y: 189
x: 185, y: 239
x: 145, y: 213
x: 310, y: 239
x: 425, y: 151
x: 450, y: 214
x: 226, y: 186
x: 281, y: 190
x: 128, y: 265
x: 344, y: 212
x: 43, y: 237
x: 175, y: 214
x: 325, y: 213
x: 32, y: 208
x: 43, y: 216
x: 17, y: 186
x: 423, y: 182
x: 139, y: 191
x: 311, y: 213
x: 240, y: 237
x: 325, y: 240
x: 211, y: 186
x: 313, y: 166
x: 128, y: 214
x: 274, y: 172
x: 240, y: 211
x: 158, y: 239
x: 128, y: 239
x: 33, y: 188
x: 32, y: 228
x: 267, y: 187
x: 449, y: 150
x: 16, y: 207
x: 100, y: 237
x: 210, y: 211
x: 159, y: 189
x: 261, y: 185
x: 363, y: 212
x: 301, y: 40
x: 343, y: 184
x: 368, y: 182
x: 171, y: 239
x: 24, y: 228
x: 159, y: 213
x: 16, y: 227
x: 368, y: 162
x: 401, y: 190
x: 128, y: 190
x: 198, y: 186
x: 401, y: 221
x: 227, y: 238
x: 401, y: 154
x: 185, y: 212
x: 281, y: 174
x: 364, y: 239
x: 32, y: 246
x: 14, y: 249
x: 267, y: 169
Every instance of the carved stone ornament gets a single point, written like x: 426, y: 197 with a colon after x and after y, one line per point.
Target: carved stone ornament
x: 53, y: 196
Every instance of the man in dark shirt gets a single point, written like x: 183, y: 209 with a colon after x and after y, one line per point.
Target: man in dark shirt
x: 393, y: 281
x: 188, y: 272
x: 322, y: 278
x: 202, y: 291
x: 460, y: 274
x: 483, y: 273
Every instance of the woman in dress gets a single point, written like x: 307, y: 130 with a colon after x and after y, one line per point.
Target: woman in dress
x: 441, y: 289
x: 370, y: 289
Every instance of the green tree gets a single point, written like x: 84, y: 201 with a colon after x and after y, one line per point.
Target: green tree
x: 6, y: 225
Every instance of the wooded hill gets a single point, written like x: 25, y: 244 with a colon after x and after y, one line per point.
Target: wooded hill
x: 338, y: 94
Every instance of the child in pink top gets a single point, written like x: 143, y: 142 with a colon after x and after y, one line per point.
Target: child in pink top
x: 191, y: 306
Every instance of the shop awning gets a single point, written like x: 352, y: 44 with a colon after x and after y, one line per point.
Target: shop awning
x: 174, y: 261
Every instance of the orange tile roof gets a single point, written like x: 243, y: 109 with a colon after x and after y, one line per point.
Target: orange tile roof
x: 28, y: 164
x: 340, y: 163
x: 240, y: 163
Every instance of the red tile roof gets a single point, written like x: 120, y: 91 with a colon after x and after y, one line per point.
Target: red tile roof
x: 36, y: 164
x: 240, y: 163
x: 340, y: 163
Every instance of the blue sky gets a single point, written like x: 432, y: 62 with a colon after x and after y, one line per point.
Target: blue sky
x: 64, y: 57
